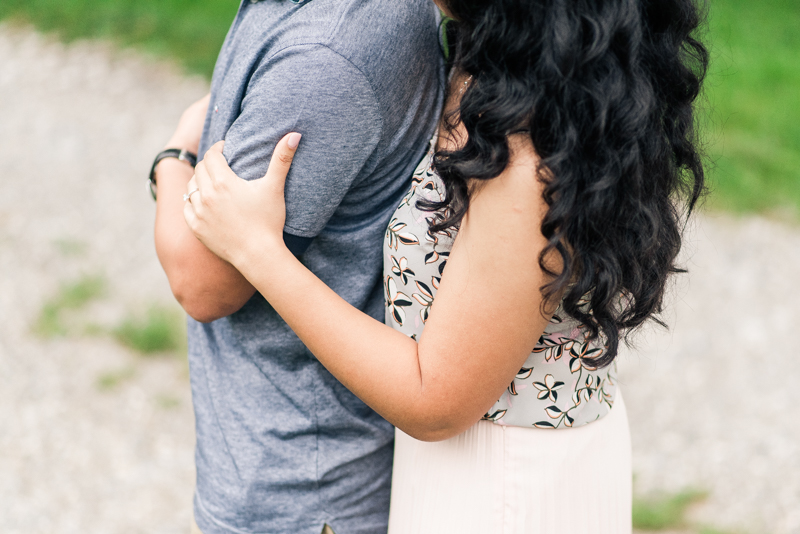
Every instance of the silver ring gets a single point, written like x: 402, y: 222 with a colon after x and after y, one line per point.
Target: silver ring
x: 187, y: 196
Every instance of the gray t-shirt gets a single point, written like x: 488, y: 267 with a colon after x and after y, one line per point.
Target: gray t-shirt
x: 282, y: 446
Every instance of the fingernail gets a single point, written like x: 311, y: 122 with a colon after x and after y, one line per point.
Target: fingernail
x: 294, y: 140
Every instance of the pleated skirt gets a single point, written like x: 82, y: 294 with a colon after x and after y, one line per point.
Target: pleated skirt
x: 495, y: 479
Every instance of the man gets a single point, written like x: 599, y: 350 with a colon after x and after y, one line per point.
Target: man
x: 282, y: 447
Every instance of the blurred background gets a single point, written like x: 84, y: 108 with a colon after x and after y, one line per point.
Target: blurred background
x: 96, y: 426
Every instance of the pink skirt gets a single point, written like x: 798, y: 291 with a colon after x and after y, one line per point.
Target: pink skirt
x: 495, y: 479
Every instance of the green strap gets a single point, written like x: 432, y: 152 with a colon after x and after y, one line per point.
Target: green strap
x: 445, y: 41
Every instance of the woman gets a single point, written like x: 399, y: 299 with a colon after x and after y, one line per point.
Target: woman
x: 554, y: 194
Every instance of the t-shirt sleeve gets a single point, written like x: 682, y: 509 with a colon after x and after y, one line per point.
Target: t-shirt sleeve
x: 312, y: 90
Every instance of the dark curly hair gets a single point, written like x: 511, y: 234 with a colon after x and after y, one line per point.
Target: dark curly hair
x: 605, y: 89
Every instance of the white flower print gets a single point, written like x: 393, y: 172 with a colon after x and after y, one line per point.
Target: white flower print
x: 494, y: 416
x: 425, y: 298
x: 524, y: 373
x: 548, y: 389
x: 400, y: 269
x: 583, y: 356
x: 551, y: 348
x: 396, y: 301
x: 396, y: 236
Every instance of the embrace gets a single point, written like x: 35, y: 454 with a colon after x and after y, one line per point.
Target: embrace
x: 416, y: 237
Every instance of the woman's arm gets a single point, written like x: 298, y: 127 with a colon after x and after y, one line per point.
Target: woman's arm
x: 485, y: 320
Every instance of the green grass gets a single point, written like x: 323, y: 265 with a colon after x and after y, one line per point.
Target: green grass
x: 712, y: 530
x: 753, y: 92
x: 111, y: 380
x: 71, y: 247
x: 70, y: 296
x: 665, y: 512
x: 190, y: 31
x: 159, y: 330
x: 169, y: 402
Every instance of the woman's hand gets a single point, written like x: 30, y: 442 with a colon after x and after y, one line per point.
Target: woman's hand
x: 190, y: 126
x: 231, y: 216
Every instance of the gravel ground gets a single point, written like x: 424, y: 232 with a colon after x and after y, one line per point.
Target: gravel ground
x: 711, y: 401
x: 79, y: 126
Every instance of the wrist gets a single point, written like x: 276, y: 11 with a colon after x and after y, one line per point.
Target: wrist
x: 183, y: 156
x: 171, y: 169
x: 268, y: 257
x: 192, y: 145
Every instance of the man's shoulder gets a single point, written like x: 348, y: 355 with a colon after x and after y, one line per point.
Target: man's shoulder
x: 376, y: 36
x: 387, y: 20
x: 372, y: 34
x: 331, y: 20
x: 384, y: 28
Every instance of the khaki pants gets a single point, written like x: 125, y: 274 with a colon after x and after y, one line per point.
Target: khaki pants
x: 195, y: 530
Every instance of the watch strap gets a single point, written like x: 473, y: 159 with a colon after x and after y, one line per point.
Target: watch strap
x: 177, y: 153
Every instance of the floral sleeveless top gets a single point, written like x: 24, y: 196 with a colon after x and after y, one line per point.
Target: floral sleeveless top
x: 558, y: 387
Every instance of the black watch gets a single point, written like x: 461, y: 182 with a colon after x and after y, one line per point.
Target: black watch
x: 180, y: 153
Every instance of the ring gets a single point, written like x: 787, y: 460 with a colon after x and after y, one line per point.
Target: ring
x: 186, y: 196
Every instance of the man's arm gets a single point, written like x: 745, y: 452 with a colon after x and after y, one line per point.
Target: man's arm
x: 314, y: 91
x: 308, y: 89
x: 206, y: 286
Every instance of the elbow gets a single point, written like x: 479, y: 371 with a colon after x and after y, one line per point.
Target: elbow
x: 196, y: 304
x: 437, y: 425
x: 200, y: 282
x: 207, y: 298
x: 200, y: 313
x: 432, y: 434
